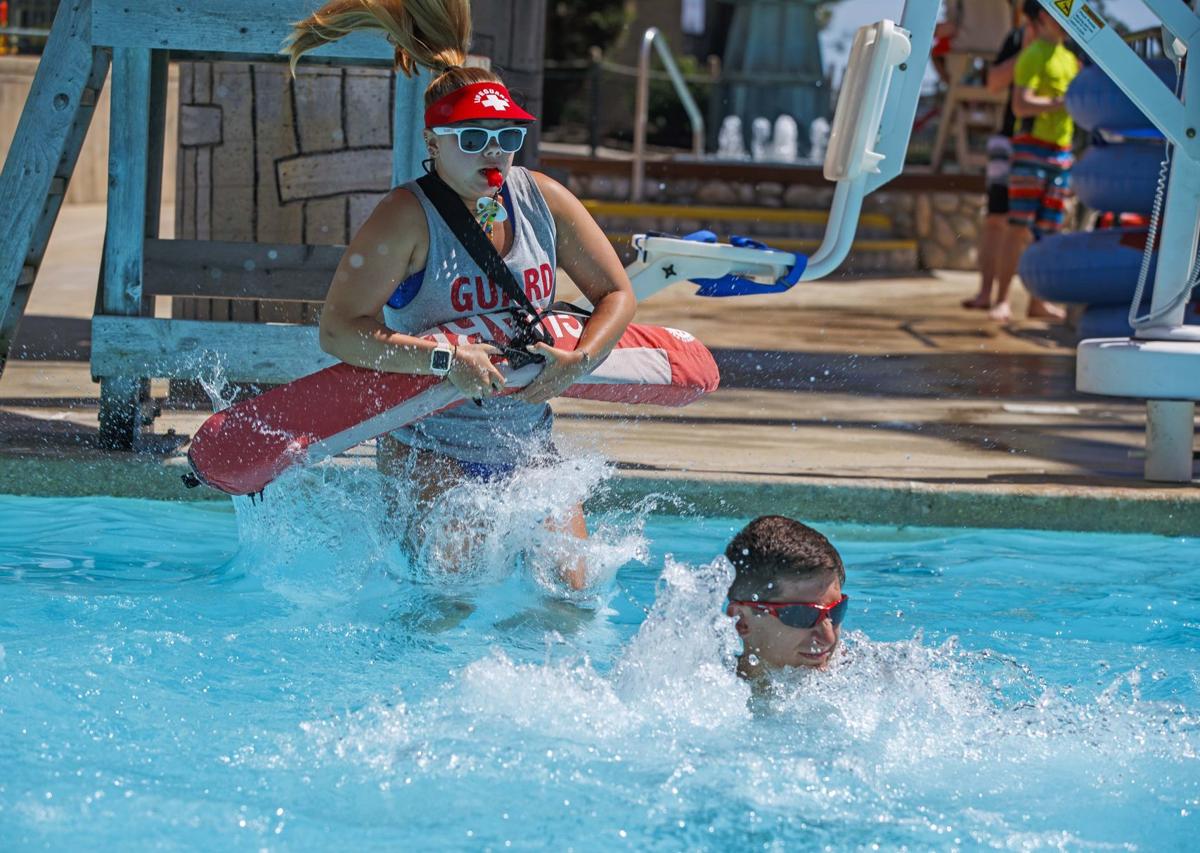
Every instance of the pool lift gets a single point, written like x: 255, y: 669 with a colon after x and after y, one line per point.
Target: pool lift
x: 1161, y: 362
x: 875, y: 110
x: 876, y: 107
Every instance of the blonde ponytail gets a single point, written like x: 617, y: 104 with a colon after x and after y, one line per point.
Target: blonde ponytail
x: 434, y: 34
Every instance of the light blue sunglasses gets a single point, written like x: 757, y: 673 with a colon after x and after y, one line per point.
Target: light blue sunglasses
x: 472, y: 140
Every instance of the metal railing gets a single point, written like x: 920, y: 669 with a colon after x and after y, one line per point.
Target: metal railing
x: 654, y: 38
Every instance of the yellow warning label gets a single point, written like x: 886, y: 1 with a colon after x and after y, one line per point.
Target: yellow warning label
x: 1065, y: 7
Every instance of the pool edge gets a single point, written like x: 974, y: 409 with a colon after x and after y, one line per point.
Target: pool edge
x: 1163, y: 511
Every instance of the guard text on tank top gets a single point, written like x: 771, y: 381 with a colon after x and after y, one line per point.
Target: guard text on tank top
x: 503, y: 431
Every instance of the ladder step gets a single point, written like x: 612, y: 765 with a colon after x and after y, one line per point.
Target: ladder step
x: 58, y: 186
x: 88, y: 97
x: 28, y: 274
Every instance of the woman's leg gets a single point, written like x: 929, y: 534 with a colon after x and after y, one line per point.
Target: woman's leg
x: 432, y: 474
x: 428, y: 476
x: 573, y: 571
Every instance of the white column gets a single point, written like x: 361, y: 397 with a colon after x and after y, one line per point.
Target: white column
x: 1170, y: 433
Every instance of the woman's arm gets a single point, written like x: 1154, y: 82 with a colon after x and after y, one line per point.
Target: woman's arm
x: 592, y: 263
x: 384, y: 251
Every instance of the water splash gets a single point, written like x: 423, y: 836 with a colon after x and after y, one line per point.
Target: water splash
x: 333, y: 529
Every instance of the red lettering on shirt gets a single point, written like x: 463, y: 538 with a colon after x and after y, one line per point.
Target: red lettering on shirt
x: 460, y: 296
x: 532, y: 289
x: 486, y: 293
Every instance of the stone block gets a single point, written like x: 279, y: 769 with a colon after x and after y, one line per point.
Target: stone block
x: 933, y: 257
x: 944, y: 234
x: 716, y: 192
x: 924, y: 216
x: 946, y: 202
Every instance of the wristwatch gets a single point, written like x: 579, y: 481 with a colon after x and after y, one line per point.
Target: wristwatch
x: 440, y: 359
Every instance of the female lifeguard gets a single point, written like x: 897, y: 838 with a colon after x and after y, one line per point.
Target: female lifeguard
x: 406, y: 271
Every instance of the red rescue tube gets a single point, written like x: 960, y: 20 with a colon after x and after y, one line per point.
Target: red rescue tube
x: 242, y: 449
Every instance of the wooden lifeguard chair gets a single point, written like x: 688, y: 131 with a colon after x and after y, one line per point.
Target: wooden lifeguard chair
x: 129, y: 345
x: 982, y: 26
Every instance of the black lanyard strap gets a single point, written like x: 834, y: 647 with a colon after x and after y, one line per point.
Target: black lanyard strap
x: 464, y: 227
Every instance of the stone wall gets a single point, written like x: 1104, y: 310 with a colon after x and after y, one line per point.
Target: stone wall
x: 947, y: 227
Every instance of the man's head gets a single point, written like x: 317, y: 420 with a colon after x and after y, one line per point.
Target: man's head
x: 1043, y: 23
x: 778, y: 561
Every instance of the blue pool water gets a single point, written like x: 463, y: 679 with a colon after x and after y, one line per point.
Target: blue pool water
x: 281, y: 678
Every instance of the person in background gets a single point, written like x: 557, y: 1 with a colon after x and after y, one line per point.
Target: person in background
x: 786, y: 596
x: 1040, y: 181
x: 999, y: 154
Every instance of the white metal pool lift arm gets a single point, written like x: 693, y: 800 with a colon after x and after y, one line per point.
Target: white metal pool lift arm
x: 1161, y: 363
x: 870, y: 134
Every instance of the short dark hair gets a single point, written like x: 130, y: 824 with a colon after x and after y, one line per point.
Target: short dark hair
x: 773, y: 548
x: 1032, y: 9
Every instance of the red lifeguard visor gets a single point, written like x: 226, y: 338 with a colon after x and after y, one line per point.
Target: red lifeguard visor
x: 474, y: 102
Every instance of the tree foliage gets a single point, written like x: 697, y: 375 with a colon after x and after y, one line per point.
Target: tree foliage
x: 574, y: 26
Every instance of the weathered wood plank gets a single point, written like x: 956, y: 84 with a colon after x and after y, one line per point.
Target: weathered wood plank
x: 233, y: 199
x: 47, y: 140
x: 368, y: 106
x: 229, y: 270
x: 314, y: 176
x: 227, y: 26
x: 186, y: 196
x: 274, y: 137
x: 129, y: 155
x: 202, y: 84
x: 129, y: 150
x: 325, y: 222
x: 199, y: 125
x: 319, y: 109
x: 188, y: 349
x: 204, y: 193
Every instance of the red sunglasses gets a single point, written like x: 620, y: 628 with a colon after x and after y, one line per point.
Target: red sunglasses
x: 801, y: 614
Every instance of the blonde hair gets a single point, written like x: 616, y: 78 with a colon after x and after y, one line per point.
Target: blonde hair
x: 433, y: 34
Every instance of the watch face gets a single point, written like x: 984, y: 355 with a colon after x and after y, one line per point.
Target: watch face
x: 440, y: 360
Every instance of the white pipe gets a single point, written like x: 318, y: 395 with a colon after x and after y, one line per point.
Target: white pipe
x: 840, y: 230
x: 652, y: 37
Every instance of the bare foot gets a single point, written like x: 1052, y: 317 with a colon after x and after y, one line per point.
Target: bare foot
x: 1039, y: 310
x: 979, y: 301
x: 1001, y: 312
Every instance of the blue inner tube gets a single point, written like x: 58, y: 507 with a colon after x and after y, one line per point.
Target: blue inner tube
x: 1120, y: 178
x: 1090, y: 267
x: 1095, y: 102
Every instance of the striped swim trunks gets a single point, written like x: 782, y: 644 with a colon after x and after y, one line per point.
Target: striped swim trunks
x: 1039, y: 184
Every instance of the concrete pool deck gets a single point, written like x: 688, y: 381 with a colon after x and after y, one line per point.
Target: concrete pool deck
x: 876, y: 400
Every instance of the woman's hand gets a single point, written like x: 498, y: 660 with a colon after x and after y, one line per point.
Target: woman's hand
x: 473, y: 373
x: 563, y: 368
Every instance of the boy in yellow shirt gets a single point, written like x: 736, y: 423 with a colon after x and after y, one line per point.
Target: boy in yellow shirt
x: 1040, y: 180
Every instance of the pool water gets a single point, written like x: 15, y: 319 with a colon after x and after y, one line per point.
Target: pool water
x: 283, y: 677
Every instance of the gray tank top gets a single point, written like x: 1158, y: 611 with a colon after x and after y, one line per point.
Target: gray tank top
x: 503, y: 431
